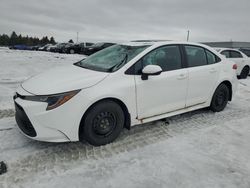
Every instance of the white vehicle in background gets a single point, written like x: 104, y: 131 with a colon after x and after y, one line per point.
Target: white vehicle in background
x: 241, y: 59
x: 121, y: 86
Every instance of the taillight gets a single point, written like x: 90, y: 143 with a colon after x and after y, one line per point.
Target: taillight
x: 235, y: 67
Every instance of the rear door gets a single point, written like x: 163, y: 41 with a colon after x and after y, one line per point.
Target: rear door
x: 203, y: 71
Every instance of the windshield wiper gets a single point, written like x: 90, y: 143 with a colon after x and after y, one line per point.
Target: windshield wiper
x: 117, y: 66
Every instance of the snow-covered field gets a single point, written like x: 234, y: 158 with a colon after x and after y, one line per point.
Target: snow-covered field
x: 193, y: 150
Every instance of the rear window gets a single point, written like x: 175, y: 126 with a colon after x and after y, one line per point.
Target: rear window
x: 211, y: 58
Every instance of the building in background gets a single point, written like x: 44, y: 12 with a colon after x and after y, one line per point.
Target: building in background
x: 230, y: 44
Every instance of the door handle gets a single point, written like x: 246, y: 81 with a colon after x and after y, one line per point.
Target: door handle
x: 182, y: 76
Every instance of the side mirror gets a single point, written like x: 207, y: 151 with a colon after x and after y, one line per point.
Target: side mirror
x: 150, y: 70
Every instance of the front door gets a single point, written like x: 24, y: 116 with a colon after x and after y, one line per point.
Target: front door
x: 165, y: 92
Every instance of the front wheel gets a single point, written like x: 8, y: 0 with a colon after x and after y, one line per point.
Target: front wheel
x: 102, y: 124
x: 220, y: 98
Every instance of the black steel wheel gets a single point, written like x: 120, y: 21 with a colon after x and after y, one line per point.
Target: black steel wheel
x: 102, y: 123
x: 220, y: 98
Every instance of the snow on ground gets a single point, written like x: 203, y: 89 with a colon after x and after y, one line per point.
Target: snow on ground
x: 18, y: 65
x: 197, y: 149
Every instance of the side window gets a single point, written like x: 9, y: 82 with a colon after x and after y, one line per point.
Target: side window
x: 196, y: 56
x: 211, y: 58
x: 167, y: 57
x: 235, y: 54
x: 226, y: 53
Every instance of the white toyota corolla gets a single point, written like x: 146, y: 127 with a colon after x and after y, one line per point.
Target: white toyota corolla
x: 122, y: 86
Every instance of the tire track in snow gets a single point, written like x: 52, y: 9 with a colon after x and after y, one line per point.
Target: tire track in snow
x: 57, y: 158
x: 7, y: 113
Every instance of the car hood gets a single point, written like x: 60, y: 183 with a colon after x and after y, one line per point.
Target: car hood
x: 63, y: 79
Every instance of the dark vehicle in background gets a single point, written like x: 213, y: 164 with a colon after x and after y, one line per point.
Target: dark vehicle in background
x: 53, y: 48
x: 45, y: 47
x: 77, y: 48
x: 65, y: 47
x: 20, y: 47
x: 97, y: 47
x: 245, y: 51
x: 59, y: 47
x: 35, y: 48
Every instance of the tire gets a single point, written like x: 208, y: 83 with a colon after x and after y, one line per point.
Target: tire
x: 102, y: 124
x: 244, y: 73
x: 220, y: 98
x: 71, y: 51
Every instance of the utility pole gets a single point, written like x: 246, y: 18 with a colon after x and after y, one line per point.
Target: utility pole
x: 77, y: 37
x: 188, y: 35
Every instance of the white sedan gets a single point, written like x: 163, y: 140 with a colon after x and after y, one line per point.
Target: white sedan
x: 241, y: 59
x: 122, y: 86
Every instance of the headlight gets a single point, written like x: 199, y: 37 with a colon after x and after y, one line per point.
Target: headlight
x: 53, y: 100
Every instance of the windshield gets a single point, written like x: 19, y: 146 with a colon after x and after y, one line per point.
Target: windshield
x: 112, y: 58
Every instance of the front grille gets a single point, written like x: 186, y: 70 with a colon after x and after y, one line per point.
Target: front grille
x: 23, y: 121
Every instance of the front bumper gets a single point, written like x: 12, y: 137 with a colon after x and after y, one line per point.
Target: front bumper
x: 33, y: 124
x: 23, y: 121
x: 57, y: 125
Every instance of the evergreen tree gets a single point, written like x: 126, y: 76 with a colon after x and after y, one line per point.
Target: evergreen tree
x: 71, y: 41
x: 15, y: 39
x: 52, y: 40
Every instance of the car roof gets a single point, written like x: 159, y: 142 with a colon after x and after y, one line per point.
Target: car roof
x: 160, y: 43
x: 222, y: 49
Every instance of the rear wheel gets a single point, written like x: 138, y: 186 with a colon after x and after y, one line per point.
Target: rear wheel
x: 102, y: 124
x: 244, y: 73
x: 220, y: 98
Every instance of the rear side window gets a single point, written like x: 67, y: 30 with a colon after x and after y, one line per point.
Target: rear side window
x: 226, y: 53
x: 196, y: 56
x: 211, y: 58
x: 235, y: 54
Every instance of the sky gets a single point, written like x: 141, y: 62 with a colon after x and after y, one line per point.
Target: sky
x: 124, y: 20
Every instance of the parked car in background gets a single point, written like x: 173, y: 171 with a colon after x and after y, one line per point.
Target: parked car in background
x: 20, y: 47
x: 59, y: 47
x: 48, y: 49
x: 78, y: 48
x: 97, y: 47
x: 35, y: 48
x: 44, y: 47
x: 53, y: 48
x: 64, y: 48
x: 245, y: 51
x: 242, y: 60
x: 89, y: 100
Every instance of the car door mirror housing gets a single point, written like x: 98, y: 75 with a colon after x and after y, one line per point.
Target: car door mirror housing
x: 150, y: 70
